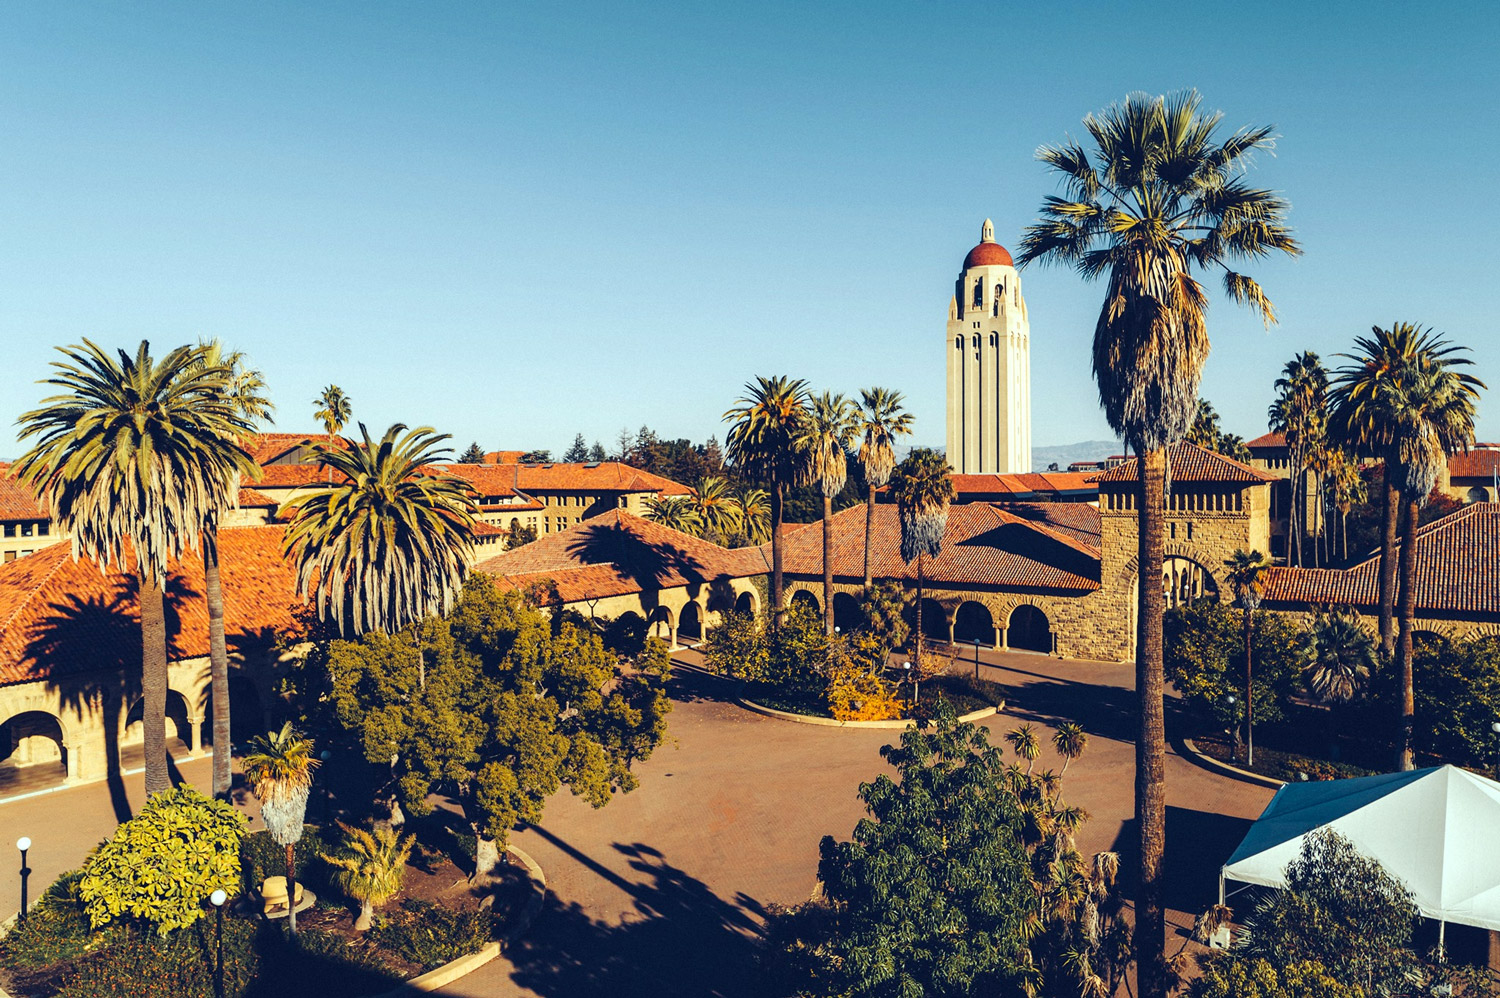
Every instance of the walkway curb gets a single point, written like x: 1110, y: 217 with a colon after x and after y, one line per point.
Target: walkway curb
x: 465, y: 965
x: 1209, y: 762
x: 829, y: 722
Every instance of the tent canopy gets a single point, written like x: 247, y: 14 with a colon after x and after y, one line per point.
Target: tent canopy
x: 1432, y: 829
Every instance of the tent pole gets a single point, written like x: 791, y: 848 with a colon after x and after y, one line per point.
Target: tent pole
x: 1442, y: 929
x: 1221, y: 887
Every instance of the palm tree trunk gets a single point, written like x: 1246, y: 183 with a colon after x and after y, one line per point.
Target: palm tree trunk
x: 917, y: 657
x: 154, y: 685
x: 218, y: 659
x: 291, y: 888
x: 776, y: 512
x: 1408, y: 610
x: 828, y: 565
x: 1150, y: 743
x: 1249, y: 701
x: 1389, y: 524
x: 869, y: 528
x: 366, y: 917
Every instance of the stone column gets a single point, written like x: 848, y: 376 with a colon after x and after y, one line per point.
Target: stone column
x: 1004, y: 633
x: 70, y: 754
x: 195, y: 733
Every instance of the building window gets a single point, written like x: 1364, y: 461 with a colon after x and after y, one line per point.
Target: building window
x: 10, y: 530
x: 978, y: 293
x: 10, y: 556
x: 1172, y: 531
x: 958, y: 344
x: 27, y: 529
x: 43, y: 528
x: 1190, y: 530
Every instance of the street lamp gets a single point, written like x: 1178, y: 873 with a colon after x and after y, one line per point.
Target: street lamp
x: 916, y: 684
x: 1232, y: 728
x: 1495, y: 727
x: 217, y: 899
x: 325, y: 755
x: 977, y: 643
x: 23, y: 844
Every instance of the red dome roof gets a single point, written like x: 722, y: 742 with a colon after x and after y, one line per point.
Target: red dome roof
x: 988, y: 255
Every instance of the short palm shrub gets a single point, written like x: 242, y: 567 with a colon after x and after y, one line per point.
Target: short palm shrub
x: 164, y: 862
x: 261, y: 857
x: 370, y: 867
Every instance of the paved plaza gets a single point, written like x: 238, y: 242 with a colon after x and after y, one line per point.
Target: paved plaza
x: 660, y: 892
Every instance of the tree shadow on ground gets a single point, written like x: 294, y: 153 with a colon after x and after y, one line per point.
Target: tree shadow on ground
x: 692, y: 684
x: 1198, y: 844
x: 681, y: 938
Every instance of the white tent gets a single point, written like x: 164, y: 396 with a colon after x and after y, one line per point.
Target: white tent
x: 1433, y: 829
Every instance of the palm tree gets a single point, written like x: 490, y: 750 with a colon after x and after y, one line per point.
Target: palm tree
x: 924, y: 491
x: 390, y: 543
x: 370, y: 867
x: 1244, y: 576
x: 1158, y: 197
x: 135, y: 454
x: 1340, y: 657
x: 755, y: 515
x: 717, y: 508
x: 675, y: 512
x: 1069, y: 740
x: 1300, y: 414
x: 279, y: 771
x: 881, y: 420
x: 827, y: 433
x: 1026, y: 745
x: 1432, y: 412
x: 245, y: 388
x: 334, y: 410
x: 1348, y: 490
x: 762, y: 442
x: 1205, y: 429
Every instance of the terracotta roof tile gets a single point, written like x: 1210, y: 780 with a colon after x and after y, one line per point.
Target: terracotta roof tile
x: 1474, y: 464
x: 251, y: 499
x: 17, y: 501
x: 1267, y: 440
x: 265, y: 447
x: 1191, y: 463
x: 59, y: 616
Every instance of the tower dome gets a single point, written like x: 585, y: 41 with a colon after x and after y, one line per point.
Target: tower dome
x: 988, y: 253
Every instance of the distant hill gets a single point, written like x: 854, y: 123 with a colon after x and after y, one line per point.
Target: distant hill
x: 1065, y: 454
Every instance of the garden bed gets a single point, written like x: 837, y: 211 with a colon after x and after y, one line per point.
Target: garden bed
x: 1277, y: 763
x: 437, y: 917
x: 963, y: 692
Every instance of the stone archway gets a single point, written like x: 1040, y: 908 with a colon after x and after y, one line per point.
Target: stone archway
x: 972, y: 621
x: 745, y: 603
x: 936, y: 625
x: 807, y: 599
x: 33, y: 752
x: 1184, y: 580
x: 1029, y: 630
x: 690, y: 623
x: 180, y: 733
x: 847, y: 616
x: 663, y: 626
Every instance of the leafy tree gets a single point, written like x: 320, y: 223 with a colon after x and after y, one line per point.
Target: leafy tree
x: 370, y: 867
x: 161, y: 865
x: 882, y: 607
x: 736, y: 647
x: 882, y: 418
x: 766, y: 424
x: 536, y: 457
x: 136, y: 454
x: 473, y: 454
x: 1226, y: 976
x: 519, y: 536
x: 1340, y: 657
x: 1204, y: 639
x: 1158, y: 197
x: 1457, y: 699
x: 1340, y: 910
x: 578, y: 451
x: 1244, y: 576
x: 924, y: 491
x: 511, y: 710
x: 279, y: 771
x: 827, y: 433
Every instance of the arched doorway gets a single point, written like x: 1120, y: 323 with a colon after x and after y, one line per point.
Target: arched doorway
x: 1477, y: 494
x: 32, y: 755
x: 1184, y: 580
x: 973, y: 622
x: 179, y: 731
x: 690, y: 623
x: 807, y: 599
x: 934, y: 620
x: 745, y: 603
x: 660, y: 625
x: 847, y: 616
x: 1029, y: 630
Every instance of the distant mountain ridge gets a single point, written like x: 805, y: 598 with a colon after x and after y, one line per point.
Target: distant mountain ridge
x: 1065, y: 454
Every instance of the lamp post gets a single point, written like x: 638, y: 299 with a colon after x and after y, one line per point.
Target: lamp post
x: 1232, y: 728
x: 916, y: 684
x: 977, y: 643
x: 1495, y: 727
x: 217, y: 898
x: 23, y: 844
x: 325, y: 755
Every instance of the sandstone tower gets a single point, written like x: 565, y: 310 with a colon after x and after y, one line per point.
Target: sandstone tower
x: 989, y: 365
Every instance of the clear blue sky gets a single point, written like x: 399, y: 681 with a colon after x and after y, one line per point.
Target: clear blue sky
x: 519, y: 221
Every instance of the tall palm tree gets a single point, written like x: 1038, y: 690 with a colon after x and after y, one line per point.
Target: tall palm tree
x: 1361, y: 421
x: 334, y: 410
x: 675, y: 512
x: 245, y: 387
x: 1432, y: 413
x: 390, y: 542
x: 1340, y: 657
x: 718, y: 509
x: 826, y: 435
x: 1300, y: 414
x: 1158, y: 197
x: 134, y: 455
x: 279, y: 770
x: 882, y: 419
x: 1245, y: 569
x: 755, y: 515
x: 1348, y: 489
x: 767, y: 422
x: 924, y: 491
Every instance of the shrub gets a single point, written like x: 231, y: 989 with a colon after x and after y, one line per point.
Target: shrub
x: 261, y: 857
x: 1457, y: 688
x: 163, y: 863
x: 56, y: 929
x: 430, y: 935
x: 1226, y: 976
x: 1204, y: 657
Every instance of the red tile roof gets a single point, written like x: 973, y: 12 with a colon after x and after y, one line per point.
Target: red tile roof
x: 1458, y: 570
x: 61, y: 616
x: 17, y: 501
x: 291, y: 476
x: 487, y: 479
x: 1474, y: 464
x: 605, y: 476
x: 618, y: 553
x: 251, y: 499
x: 1191, y: 463
x: 503, y: 456
x: 269, y: 446
x: 985, y: 544
x: 1267, y: 440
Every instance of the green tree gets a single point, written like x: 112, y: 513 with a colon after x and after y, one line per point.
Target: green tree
x: 924, y: 491
x: 161, y: 865
x: 370, y: 866
x: 1457, y: 699
x: 1340, y: 657
x: 597, y: 454
x: 766, y: 424
x: 1244, y: 577
x: 511, y: 710
x: 536, y: 457
x: 136, y: 454
x: 519, y: 536
x: 882, y: 419
x: 1227, y: 976
x: 578, y: 450
x: 827, y: 433
x: 717, y: 508
x: 675, y: 512
x: 1300, y: 413
x: 334, y: 409
x: 473, y: 454
x: 1158, y: 197
x: 755, y: 516
x: 1205, y: 639
x: 278, y: 769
